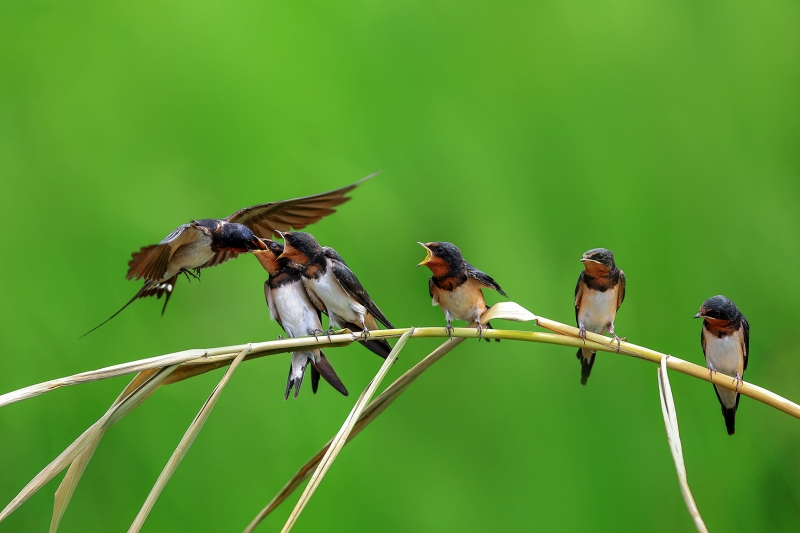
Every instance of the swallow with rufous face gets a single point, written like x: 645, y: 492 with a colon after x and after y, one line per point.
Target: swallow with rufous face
x: 725, y: 338
x: 334, y: 289
x: 456, y: 285
x: 290, y: 306
x: 598, y: 294
x: 210, y: 241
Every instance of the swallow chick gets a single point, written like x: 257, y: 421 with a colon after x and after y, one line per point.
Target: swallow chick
x: 335, y: 290
x: 210, y: 241
x: 456, y: 285
x: 598, y: 294
x: 290, y: 306
x: 725, y: 339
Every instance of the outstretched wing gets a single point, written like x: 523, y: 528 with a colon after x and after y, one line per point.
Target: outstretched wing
x: 353, y: 287
x: 579, y: 293
x: 484, y: 279
x: 150, y: 262
x: 296, y: 213
x: 621, y: 290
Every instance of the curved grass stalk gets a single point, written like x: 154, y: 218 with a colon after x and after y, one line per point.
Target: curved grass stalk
x: 674, y: 439
x: 171, y: 368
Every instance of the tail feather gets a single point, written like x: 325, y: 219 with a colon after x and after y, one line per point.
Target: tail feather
x: 489, y: 325
x: 322, y: 367
x: 380, y: 347
x: 150, y: 288
x: 297, y: 370
x: 586, y: 364
x: 728, y: 413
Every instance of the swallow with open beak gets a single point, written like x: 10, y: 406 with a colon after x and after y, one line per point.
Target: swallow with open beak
x: 290, y: 306
x: 598, y: 294
x: 725, y: 338
x: 210, y: 241
x: 456, y: 285
x: 334, y: 289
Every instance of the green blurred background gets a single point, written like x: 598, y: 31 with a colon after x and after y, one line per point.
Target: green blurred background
x: 526, y: 133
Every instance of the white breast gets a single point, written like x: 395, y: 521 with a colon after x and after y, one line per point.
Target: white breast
x: 191, y: 255
x: 598, y: 310
x: 336, y: 300
x: 724, y: 354
x: 462, y: 302
x: 298, y: 315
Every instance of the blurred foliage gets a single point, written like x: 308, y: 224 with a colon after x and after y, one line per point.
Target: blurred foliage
x: 526, y: 133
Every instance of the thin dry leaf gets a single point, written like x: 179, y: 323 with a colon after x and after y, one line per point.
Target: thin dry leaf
x: 102, y: 373
x: 674, y: 439
x: 95, y: 431
x: 375, y: 408
x: 184, y: 445
x: 341, y: 437
x: 507, y: 311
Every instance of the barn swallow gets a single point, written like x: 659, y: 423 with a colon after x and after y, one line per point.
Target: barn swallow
x: 456, y: 285
x: 290, y: 306
x: 725, y: 338
x: 598, y: 294
x: 334, y: 289
x: 210, y: 241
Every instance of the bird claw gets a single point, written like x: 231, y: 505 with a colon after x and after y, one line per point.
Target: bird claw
x: 619, y: 341
x: 583, y: 332
x: 711, y: 371
x: 280, y: 338
x: 480, y: 331
x: 449, y: 330
x: 738, y: 380
x: 330, y: 331
x: 316, y: 333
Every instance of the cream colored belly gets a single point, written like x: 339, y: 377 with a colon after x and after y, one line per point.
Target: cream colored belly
x: 598, y: 310
x: 191, y: 255
x: 464, y: 303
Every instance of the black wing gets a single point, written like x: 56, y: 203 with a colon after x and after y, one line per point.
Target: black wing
x: 579, y: 293
x: 484, y: 278
x: 330, y: 253
x: 621, y: 293
x: 746, y: 328
x: 353, y: 287
x: 430, y: 287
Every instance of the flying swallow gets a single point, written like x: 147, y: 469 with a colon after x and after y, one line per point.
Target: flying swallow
x: 290, y: 306
x: 598, y: 294
x: 210, y: 241
x: 725, y: 338
x: 456, y: 285
x: 334, y: 289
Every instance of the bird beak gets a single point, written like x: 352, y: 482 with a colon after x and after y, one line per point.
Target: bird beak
x: 256, y: 244
x: 427, y: 257
x: 289, y: 251
x: 699, y: 315
x: 280, y: 234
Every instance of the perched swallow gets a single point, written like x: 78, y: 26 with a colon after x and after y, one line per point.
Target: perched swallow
x: 456, y: 285
x: 725, y: 338
x: 598, y: 295
x: 334, y: 289
x: 210, y: 241
x: 290, y: 306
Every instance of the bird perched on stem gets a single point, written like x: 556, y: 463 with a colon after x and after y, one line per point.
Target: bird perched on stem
x: 725, y: 339
x: 209, y: 242
x: 456, y: 285
x: 598, y: 294
x: 291, y: 307
x: 335, y: 290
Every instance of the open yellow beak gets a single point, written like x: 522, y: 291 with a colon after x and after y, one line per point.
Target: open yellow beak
x: 427, y: 257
